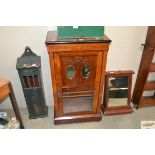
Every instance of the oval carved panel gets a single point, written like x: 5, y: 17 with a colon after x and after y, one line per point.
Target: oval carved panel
x: 70, y: 72
x: 86, y: 71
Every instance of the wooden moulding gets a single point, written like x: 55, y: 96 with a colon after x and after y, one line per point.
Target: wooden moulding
x: 77, y: 118
x: 116, y: 111
x: 52, y: 39
x: 78, y: 95
x: 78, y: 47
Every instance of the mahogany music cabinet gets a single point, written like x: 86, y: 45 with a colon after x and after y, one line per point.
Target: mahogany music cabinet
x: 78, y: 71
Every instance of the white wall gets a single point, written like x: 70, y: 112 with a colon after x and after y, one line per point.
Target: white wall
x: 125, y: 53
x: 126, y: 50
x: 12, y: 43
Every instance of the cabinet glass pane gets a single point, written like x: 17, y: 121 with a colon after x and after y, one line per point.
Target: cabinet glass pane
x: 77, y: 104
x: 86, y: 71
x: 118, y: 91
x: 70, y: 72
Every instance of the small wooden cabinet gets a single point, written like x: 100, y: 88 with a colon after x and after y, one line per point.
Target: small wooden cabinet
x: 77, y: 70
x: 117, y: 93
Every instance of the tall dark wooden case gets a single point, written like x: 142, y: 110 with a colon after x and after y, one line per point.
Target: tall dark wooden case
x: 29, y: 69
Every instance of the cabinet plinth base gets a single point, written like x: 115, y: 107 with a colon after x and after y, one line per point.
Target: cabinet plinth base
x: 77, y: 118
x: 112, y: 111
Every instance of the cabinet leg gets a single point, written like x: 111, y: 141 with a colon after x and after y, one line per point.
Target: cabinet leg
x: 15, y: 106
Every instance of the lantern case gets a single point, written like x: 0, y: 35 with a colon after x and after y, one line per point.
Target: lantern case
x: 29, y: 70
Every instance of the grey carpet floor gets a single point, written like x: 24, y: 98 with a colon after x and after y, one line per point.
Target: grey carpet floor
x: 127, y: 121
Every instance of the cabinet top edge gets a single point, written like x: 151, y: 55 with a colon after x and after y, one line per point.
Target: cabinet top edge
x: 52, y: 39
x: 120, y: 72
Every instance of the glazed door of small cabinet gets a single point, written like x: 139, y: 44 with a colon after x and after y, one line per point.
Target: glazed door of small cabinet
x: 77, y: 75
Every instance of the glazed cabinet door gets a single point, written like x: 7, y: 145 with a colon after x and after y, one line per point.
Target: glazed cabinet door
x: 77, y: 77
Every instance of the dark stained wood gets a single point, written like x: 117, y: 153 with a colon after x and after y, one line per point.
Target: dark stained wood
x: 77, y: 118
x: 79, y: 94
x: 71, y: 114
x: 7, y: 90
x: 146, y: 66
x: 77, y: 52
x: 52, y: 39
x: 150, y: 38
x: 81, y: 104
x: 120, y: 110
x: 15, y: 105
x: 117, y: 109
x: 53, y: 74
x: 119, y: 73
x: 97, y: 79
x: 152, y: 67
x: 58, y: 70
x: 149, y: 85
x: 78, y: 47
x: 147, y: 101
x: 142, y: 75
x: 101, y: 82
x: 78, y: 82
